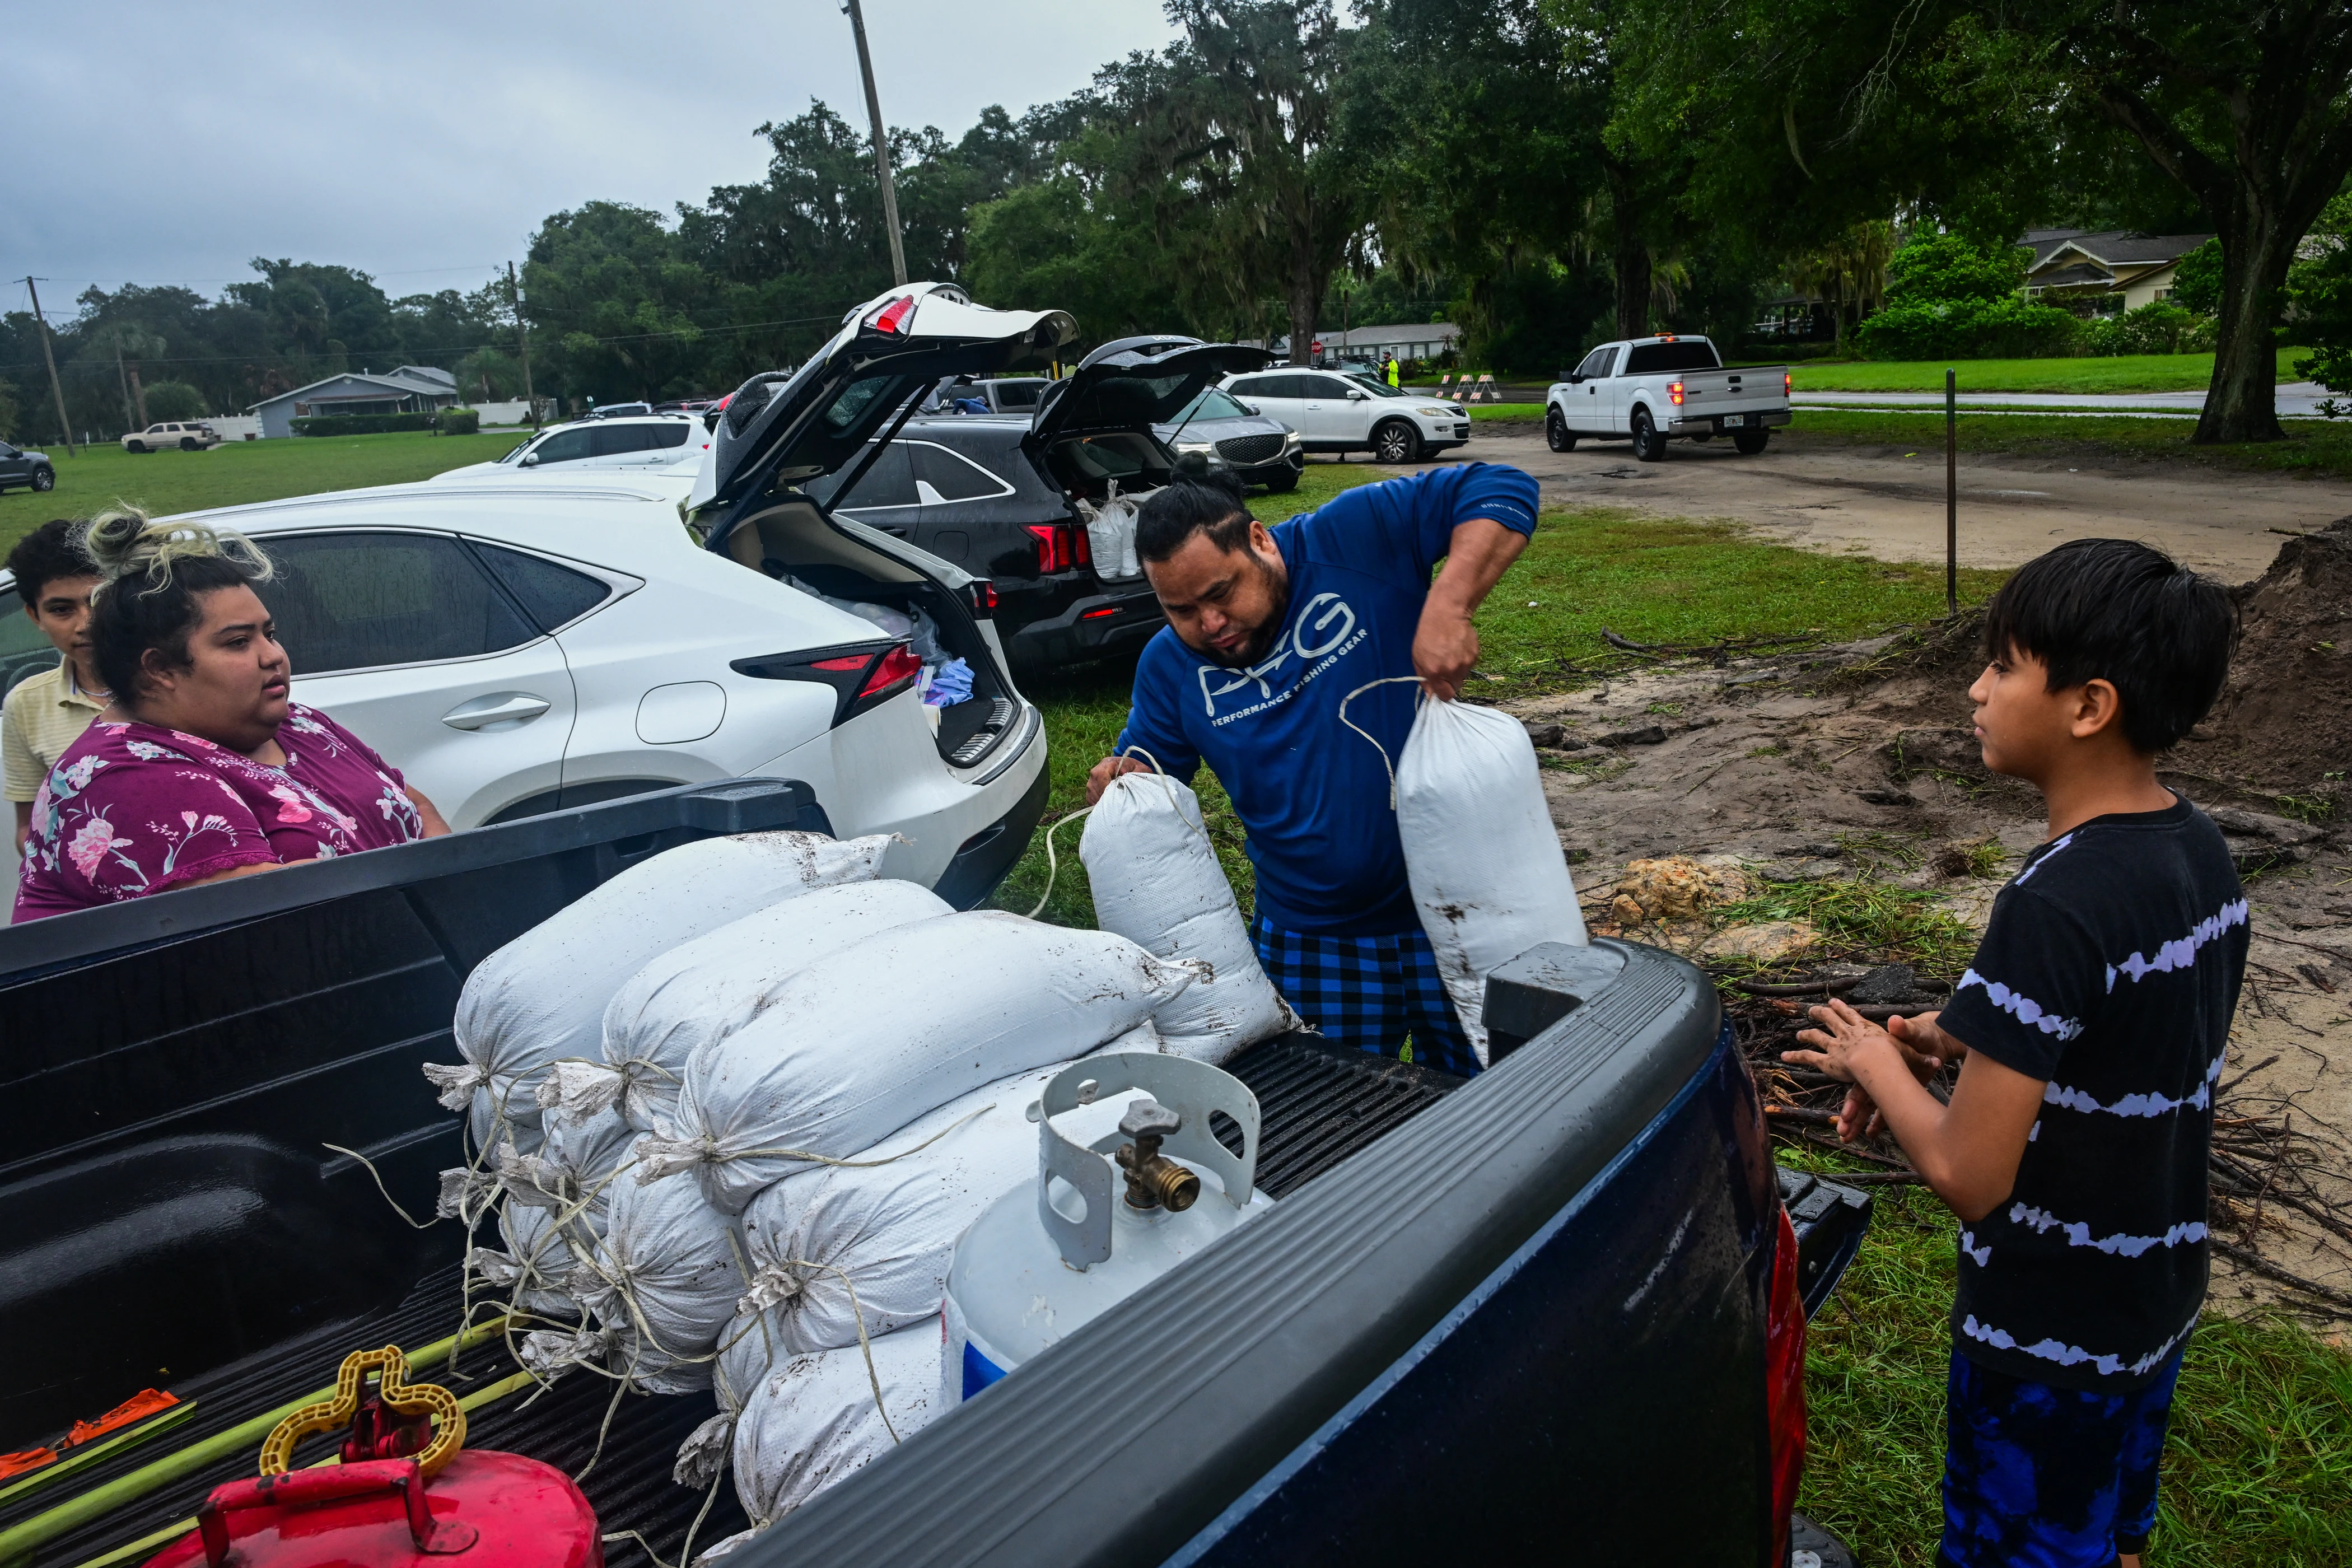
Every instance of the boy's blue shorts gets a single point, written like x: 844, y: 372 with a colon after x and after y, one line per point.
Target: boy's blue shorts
x: 2037, y: 1477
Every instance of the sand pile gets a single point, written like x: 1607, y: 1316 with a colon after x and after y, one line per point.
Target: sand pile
x: 2285, y: 719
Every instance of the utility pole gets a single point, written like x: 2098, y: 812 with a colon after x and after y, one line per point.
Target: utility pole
x: 523, y: 337
x: 124, y: 381
x: 56, y: 390
x: 881, y: 145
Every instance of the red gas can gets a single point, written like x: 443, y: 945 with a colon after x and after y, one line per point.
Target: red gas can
x: 483, y: 1510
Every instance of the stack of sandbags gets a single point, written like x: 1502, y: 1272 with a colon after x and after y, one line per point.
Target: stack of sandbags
x: 1156, y: 882
x: 890, y: 1029
x: 554, y: 1209
x: 704, y: 990
x: 541, y: 998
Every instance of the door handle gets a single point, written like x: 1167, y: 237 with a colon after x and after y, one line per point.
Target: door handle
x: 499, y: 707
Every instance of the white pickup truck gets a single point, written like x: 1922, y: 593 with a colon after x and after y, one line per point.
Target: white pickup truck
x: 1653, y: 390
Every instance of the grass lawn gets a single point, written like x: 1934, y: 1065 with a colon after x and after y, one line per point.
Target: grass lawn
x: 2117, y: 373
x: 2257, y: 1468
x: 237, y: 473
x: 2313, y: 446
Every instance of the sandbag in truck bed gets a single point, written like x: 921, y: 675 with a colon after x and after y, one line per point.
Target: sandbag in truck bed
x: 542, y: 997
x: 857, y: 1046
x: 704, y: 990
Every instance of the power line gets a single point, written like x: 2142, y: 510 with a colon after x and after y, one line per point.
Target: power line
x: 463, y: 348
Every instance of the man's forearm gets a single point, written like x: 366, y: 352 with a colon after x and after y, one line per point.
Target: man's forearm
x: 1479, y: 552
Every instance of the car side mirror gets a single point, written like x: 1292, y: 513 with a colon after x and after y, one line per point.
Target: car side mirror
x: 1575, y: 381
x: 531, y: 460
x: 1359, y: 396
x: 1253, y: 408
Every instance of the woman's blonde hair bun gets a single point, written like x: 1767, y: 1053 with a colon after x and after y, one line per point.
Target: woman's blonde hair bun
x: 124, y: 541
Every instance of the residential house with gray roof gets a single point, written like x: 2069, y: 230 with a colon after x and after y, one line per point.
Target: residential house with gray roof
x: 2106, y: 272
x: 410, y: 389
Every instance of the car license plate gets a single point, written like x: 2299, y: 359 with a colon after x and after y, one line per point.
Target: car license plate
x: 1730, y: 420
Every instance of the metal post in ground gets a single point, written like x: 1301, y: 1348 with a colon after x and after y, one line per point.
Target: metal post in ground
x: 57, y: 389
x: 522, y: 342
x: 1951, y: 492
x: 881, y: 145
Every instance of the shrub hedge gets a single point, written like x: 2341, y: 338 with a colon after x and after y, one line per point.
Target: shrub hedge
x: 449, y: 422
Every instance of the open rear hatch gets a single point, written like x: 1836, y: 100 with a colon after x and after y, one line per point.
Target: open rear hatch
x: 834, y: 416
x: 1093, y: 429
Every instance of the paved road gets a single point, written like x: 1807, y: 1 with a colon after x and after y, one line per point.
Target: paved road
x: 2296, y: 400
x: 1891, y: 505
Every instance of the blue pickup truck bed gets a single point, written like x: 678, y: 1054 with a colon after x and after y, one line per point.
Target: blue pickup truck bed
x: 1524, y: 1313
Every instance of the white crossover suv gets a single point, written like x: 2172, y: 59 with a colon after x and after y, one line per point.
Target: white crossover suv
x: 596, y: 446
x: 1336, y: 413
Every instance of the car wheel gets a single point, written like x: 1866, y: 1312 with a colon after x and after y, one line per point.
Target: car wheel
x: 187, y: 443
x: 137, y: 446
x: 1557, y: 434
x: 1648, y: 444
x: 1288, y: 479
x: 1396, y: 442
x: 44, y: 479
x: 1751, y: 442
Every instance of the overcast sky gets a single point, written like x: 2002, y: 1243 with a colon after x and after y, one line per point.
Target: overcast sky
x: 172, y: 143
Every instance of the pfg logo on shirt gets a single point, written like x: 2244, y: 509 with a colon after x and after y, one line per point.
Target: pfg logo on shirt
x: 1322, y: 632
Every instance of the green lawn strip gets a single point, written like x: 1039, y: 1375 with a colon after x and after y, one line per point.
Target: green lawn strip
x: 238, y: 472
x: 1506, y: 413
x: 2256, y: 1470
x: 2113, y: 373
x: 2313, y: 446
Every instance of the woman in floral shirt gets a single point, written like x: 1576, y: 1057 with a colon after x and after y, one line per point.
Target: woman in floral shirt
x: 202, y: 769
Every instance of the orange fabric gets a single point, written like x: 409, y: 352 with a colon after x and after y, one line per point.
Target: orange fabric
x: 131, y: 1412
x: 15, y: 1464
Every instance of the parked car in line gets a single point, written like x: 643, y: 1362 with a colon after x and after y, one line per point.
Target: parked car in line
x: 188, y: 435
x: 1006, y: 496
x: 26, y: 469
x: 515, y: 649
x: 985, y: 394
x: 1261, y: 449
x: 653, y: 440
x: 620, y: 410
x: 1650, y: 391
x: 1336, y: 413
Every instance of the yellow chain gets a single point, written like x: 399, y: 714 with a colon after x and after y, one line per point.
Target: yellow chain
x: 400, y: 1397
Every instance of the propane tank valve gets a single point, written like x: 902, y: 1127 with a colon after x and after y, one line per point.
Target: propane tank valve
x: 1153, y: 1180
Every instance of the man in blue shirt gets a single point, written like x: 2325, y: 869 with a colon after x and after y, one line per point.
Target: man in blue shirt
x: 1269, y: 629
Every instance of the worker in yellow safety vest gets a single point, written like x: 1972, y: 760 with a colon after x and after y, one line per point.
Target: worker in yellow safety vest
x: 1394, y: 370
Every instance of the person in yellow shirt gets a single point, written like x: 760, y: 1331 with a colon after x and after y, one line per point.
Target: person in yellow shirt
x: 46, y: 713
x: 1394, y: 369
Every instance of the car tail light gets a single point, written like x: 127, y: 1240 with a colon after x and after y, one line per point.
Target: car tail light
x: 1675, y: 391
x: 1061, y: 547
x: 1784, y: 1382
x: 1098, y: 615
x: 981, y: 596
x: 892, y: 317
x: 1788, y: 382
x: 863, y: 675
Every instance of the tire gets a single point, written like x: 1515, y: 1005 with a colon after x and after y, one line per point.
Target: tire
x: 1396, y: 442
x: 1751, y: 442
x: 44, y: 479
x: 1284, y: 482
x: 187, y: 443
x: 1648, y: 444
x: 137, y: 446
x: 1557, y: 434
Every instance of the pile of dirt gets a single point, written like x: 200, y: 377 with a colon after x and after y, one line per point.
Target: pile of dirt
x: 2285, y: 719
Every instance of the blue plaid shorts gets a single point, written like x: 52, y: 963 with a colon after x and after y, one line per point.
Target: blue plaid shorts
x: 1370, y: 992
x: 2036, y: 1477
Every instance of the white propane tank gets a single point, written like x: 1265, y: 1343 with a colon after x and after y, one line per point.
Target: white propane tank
x: 1100, y: 1222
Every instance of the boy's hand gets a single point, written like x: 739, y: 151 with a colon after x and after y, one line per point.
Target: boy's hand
x: 1924, y: 1039
x: 1848, y: 1033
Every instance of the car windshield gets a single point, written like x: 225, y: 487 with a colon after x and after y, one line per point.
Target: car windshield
x: 1212, y: 403
x: 519, y: 449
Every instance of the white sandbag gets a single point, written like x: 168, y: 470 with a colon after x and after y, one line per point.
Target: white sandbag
x: 1156, y: 882
x: 884, y: 1031
x: 534, y: 1272
x: 815, y: 1421
x: 542, y: 996
x: 667, y: 1273
x: 704, y: 990
x: 1485, y: 862
x: 1110, y: 535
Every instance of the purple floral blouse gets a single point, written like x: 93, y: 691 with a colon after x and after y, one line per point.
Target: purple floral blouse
x: 132, y: 809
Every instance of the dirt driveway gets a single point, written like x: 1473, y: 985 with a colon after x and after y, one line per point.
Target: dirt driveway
x: 1887, y: 504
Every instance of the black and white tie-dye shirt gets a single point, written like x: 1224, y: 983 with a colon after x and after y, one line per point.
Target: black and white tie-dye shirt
x: 2110, y: 970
